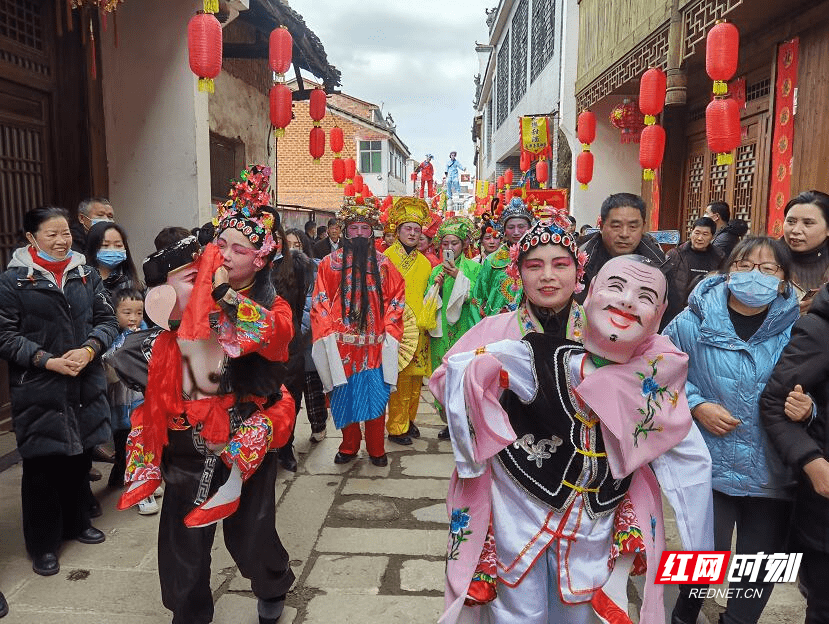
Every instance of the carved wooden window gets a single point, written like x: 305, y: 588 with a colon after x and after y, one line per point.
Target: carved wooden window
x: 745, y: 169
x: 543, y: 36
x: 227, y: 159
x: 520, y: 26
x: 20, y: 21
x: 502, y: 82
x: 694, y: 191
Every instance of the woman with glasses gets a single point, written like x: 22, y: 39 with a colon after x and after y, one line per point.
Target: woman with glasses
x: 733, y: 330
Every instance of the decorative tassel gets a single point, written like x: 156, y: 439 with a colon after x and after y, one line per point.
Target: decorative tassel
x: 725, y: 158
x: 648, y: 174
x: 650, y: 120
x: 720, y: 87
x: 279, y: 132
x: 92, y: 50
x: 206, y: 84
x: 584, y: 187
x: 211, y: 6
x: 585, y: 147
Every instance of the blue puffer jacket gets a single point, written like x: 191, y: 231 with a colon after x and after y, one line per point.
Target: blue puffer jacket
x: 724, y: 369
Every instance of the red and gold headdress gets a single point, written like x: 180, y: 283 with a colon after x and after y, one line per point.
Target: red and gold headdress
x: 245, y: 212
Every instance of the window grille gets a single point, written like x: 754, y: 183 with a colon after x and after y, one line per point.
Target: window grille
x: 519, y: 53
x: 20, y: 21
x: 502, y: 82
x: 488, y: 145
x: 543, y: 36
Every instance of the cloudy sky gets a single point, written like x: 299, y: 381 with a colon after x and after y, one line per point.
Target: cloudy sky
x: 415, y: 58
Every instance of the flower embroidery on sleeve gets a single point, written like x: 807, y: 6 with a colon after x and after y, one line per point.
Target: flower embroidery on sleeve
x: 458, y: 533
x: 654, y: 394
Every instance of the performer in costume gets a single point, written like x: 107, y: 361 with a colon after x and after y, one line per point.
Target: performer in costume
x: 496, y: 291
x: 453, y: 169
x: 213, y: 392
x: 357, y: 323
x: 546, y: 445
x: 489, y: 238
x: 427, y: 176
x: 426, y: 245
x: 408, y: 215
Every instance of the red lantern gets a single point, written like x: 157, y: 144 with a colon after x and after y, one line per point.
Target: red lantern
x: 350, y: 168
x: 586, y: 127
x: 316, y: 105
x: 508, y: 177
x: 367, y: 191
x: 526, y: 161
x: 629, y: 119
x: 204, y: 44
x: 722, y: 54
x: 541, y: 172
x: 722, y: 128
x: 358, y: 183
x: 338, y: 170
x: 584, y: 169
x: 414, y: 176
x: 501, y: 181
x: 316, y: 143
x: 651, y: 150
x: 652, y: 94
x: 280, y: 50
x: 281, y: 106
x: 349, y: 190
x: 336, y: 139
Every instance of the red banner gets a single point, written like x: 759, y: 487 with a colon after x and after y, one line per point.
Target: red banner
x: 781, y: 145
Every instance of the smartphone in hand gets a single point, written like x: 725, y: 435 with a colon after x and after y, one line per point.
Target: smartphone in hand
x: 448, y: 256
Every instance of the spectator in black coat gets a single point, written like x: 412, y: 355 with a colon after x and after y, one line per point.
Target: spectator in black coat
x: 90, y: 211
x: 331, y: 242
x: 729, y: 231
x: 55, y: 322
x: 108, y: 252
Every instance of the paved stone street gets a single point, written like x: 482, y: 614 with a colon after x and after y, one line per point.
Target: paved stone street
x: 366, y: 545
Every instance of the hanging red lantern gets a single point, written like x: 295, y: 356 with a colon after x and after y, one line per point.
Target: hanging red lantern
x: 367, y: 191
x: 281, y: 107
x: 651, y: 150
x: 349, y: 190
x: 280, y: 50
x: 335, y: 137
x: 338, y: 170
x: 350, y: 168
x: 586, y: 127
x: 722, y: 128
x: 629, y: 119
x: 358, y: 183
x: 316, y: 105
x: 584, y: 169
x: 413, y: 176
x: 204, y: 45
x: 541, y: 173
x: 722, y: 48
x: 508, y: 177
x: 525, y: 161
x: 652, y: 88
x: 501, y: 181
x: 316, y: 143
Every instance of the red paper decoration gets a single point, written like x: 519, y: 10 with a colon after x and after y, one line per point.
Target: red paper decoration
x: 336, y: 139
x: 338, y: 170
x: 508, y: 177
x: 281, y: 105
x: 280, y: 50
x: 651, y: 150
x: 652, y: 88
x: 541, y: 172
x: 722, y: 54
x: 358, y: 183
x: 316, y: 105
x: 722, y: 128
x: 629, y: 119
x: 350, y: 168
x: 586, y: 127
x: 316, y: 143
x: 584, y: 169
x: 204, y: 45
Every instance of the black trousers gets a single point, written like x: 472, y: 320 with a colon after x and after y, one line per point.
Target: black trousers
x: 55, y: 499
x: 250, y: 534
x: 814, y: 570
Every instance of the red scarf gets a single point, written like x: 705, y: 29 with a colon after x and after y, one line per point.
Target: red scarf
x: 55, y: 268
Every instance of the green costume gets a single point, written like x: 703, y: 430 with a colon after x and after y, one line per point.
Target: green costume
x: 495, y: 291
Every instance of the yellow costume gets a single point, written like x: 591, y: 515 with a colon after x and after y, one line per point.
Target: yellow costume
x: 415, y: 269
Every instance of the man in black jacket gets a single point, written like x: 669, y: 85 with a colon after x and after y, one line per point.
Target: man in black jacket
x: 729, y: 231
x: 330, y: 243
x: 803, y: 444
x: 90, y: 211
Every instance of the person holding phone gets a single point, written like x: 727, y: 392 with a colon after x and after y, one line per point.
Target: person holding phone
x: 455, y: 278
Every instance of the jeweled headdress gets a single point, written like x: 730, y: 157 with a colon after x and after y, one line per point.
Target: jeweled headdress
x: 245, y: 212
x: 359, y: 210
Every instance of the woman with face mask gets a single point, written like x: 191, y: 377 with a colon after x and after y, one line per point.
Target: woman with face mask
x: 108, y: 251
x: 734, y: 330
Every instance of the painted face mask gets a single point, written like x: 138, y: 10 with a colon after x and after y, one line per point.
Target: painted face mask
x: 623, y: 307
x: 753, y: 288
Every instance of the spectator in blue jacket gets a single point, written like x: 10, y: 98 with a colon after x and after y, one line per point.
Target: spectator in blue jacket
x: 734, y: 330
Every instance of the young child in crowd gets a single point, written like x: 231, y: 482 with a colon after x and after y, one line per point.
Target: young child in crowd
x: 129, y: 310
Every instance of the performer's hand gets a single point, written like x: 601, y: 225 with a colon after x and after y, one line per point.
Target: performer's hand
x: 62, y: 366
x: 450, y: 268
x: 440, y: 277
x: 818, y: 472
x: 220, y: 277
x: 715, y: 418
x: 798, y: 405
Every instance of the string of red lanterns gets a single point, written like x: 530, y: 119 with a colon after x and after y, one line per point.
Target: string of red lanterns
x: 722, y: 115
x: 652, y: 88
x: 586, y: 131
x: 280, y: 54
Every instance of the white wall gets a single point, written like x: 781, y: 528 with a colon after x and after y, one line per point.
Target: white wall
x: 156, y: 123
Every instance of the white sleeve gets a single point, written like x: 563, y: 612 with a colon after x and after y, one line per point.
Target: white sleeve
x: 684, y: 474
x: 459, y: 295
x: 390, y: 362
x: 329, y: 363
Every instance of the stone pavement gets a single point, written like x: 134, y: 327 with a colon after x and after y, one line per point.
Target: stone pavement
x: 366, y: 545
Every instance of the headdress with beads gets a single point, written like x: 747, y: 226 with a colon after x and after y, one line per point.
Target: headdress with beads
x: 516, y: 208
x: 551, y: 230
x: 459, y: 226
x: 244, y: 211
x: 409, y: 210
x: 359, y: 210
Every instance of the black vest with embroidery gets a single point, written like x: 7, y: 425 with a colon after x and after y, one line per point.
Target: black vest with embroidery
x: 557, y: 444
